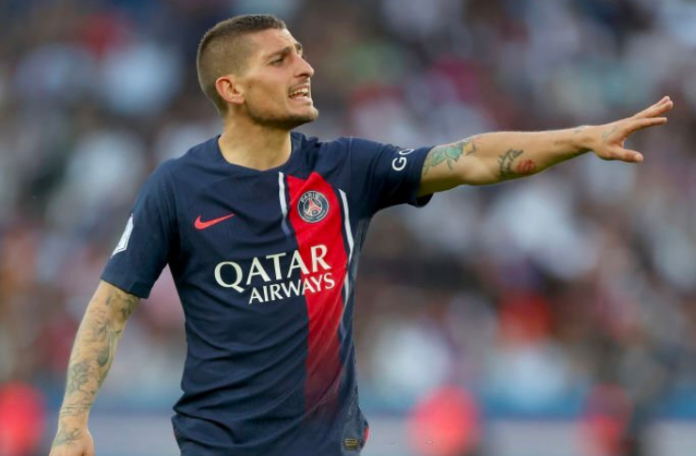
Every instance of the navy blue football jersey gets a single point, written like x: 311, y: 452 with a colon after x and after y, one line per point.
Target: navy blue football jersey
x: 265, y: 265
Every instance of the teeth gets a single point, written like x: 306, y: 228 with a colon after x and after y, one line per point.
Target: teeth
x: 299, y: 92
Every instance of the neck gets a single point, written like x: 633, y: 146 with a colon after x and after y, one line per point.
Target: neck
x: 248, y: 144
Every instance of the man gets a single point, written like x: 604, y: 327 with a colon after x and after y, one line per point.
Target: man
x: 262, y: 229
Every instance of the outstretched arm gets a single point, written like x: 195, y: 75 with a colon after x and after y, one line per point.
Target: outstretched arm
x: 90, y: 361
x: 495, y: 157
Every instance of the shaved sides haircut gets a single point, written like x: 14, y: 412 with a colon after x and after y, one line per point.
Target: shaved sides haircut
x: 225, y: 49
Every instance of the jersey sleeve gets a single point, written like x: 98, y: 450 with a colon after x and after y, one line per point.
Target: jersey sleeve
x: 146, y: 243
x: 390, y: 174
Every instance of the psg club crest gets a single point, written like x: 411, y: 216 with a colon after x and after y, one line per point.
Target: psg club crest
x: 313, y: 207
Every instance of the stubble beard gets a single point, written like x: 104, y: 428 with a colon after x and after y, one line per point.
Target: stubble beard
x: 285, y: 123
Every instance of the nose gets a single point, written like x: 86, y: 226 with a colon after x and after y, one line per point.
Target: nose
x: 304, y: 69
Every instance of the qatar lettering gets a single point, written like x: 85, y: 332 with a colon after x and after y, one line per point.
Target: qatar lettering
x: 316, y: 275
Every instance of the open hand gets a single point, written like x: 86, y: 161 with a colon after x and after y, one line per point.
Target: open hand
x: 609, y: 142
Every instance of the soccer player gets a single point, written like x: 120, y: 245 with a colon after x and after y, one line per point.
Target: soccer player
x: 262, y: 229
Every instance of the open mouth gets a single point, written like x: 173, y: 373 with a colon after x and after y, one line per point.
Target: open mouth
x: 301, y: 94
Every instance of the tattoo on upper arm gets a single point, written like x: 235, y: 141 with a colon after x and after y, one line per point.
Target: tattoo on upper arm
x: 510, y: 170
x: 108, y: 334
x: 96, y: 340
x: 123, y: 302
x: 449, y: 153
x: 105, y: 356
x: 128, y: 303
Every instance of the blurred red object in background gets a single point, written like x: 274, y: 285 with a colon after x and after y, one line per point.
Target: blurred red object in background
x: 604, y: 422
x: 22, y: 419
x: 445, y: 423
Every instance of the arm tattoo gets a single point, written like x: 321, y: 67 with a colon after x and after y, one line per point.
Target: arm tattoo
x: 94, y: 349
x: 568, y: 141
x: 78, y: 376
x: 449, y: 153
x: 106, y: 355
x: 65, y: 437
x: 128, y: 303
x: 506, y: 162
x: 75, y: 409
x: 606, y: 134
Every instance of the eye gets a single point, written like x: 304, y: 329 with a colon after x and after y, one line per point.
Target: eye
x: 277, y: 61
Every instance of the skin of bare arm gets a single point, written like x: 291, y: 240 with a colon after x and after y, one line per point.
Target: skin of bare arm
x: 490, y: 158
x: 90, y: 361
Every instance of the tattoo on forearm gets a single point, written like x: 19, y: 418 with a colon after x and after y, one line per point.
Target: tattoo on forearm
x: 450, y: 153
x: 78, y: 376
x: 506, y: 162
x: 75, y: 409
x: 66, y: 437
x: 570, y: 141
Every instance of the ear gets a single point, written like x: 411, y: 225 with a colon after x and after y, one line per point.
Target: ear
x: 229, y: 89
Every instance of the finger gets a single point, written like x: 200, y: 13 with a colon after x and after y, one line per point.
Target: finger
x: 657, y: 109
x: 640, y: 124
x: 621, y: 154
x: 660, y: 106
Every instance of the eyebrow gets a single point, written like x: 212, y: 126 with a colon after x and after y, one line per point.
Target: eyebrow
x: 286, y: 50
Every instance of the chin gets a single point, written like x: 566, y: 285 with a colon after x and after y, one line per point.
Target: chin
x: 309, y: 116
x: 290, y: 121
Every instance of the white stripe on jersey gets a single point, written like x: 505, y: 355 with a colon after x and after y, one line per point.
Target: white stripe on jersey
x: 349, y: 236
x: 283, y: 203
x: 349, y: 232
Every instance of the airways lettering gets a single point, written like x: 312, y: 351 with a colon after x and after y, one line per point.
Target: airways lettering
x: 278, y: 291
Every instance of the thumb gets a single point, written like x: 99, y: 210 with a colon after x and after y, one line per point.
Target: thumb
x: 629, y: 156
x: 618, y: 153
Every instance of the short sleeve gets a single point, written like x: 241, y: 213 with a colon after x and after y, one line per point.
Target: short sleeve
x: 146, y: 243
x: 391, y: 175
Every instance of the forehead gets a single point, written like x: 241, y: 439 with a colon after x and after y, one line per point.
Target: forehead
x: 268, y: 42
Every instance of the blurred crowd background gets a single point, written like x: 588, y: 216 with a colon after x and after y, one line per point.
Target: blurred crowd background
x: 568, y: 297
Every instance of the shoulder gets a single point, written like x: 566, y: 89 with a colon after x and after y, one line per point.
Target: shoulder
x: 174, y: 172
x: 202, y: 153
x: 302, y: 141
x: 196, y: 165
x: 319, y: 154
x: 354, y: 145
x: 342, y: 146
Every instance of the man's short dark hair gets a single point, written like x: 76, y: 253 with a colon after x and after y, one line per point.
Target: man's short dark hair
x: 225, y: 49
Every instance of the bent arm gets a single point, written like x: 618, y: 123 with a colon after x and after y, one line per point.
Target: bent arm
x: 91, y: 358
x: 496, y: 157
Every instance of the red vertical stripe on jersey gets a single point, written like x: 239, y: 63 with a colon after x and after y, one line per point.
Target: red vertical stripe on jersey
x: 324, y: 306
